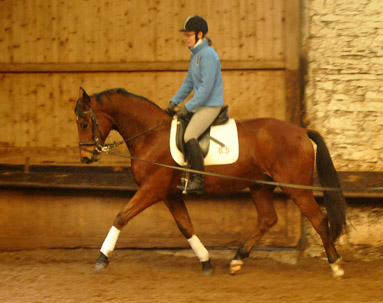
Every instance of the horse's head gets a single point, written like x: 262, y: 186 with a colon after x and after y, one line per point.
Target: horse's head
x: 91, y: 139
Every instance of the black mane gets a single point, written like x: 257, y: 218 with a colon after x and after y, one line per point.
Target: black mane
x: 120, y: 91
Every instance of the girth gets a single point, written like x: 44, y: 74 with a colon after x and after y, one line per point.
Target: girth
x: 204, y: 139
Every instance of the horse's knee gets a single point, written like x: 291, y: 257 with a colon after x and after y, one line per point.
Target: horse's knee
x: 272, y: 220
x: 119, y: 222
x: 266, y: 223
x: 185, y: 232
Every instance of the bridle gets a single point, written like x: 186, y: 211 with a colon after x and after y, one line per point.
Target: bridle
x: 96, y: 135
x: 101, y: 147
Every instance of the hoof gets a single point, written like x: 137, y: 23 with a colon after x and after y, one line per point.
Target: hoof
x: 337, y: 270
x: 235, y: 266
x: 102, y: 262
x: 338, y: 278
x: 207, y: 268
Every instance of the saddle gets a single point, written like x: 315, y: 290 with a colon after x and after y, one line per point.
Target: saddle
x: 204, y: 139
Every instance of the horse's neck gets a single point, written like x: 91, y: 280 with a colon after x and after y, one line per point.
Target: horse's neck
x: 138, y: 116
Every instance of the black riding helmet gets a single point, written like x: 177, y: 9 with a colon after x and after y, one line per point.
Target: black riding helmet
x: 195, y: 23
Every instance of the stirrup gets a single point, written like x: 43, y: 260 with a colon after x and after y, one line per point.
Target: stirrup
x: 184, y: 182
x: 184, y: 185
x: 194, y: 187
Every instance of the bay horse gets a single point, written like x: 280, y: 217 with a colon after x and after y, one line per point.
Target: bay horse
x: 270, y: 150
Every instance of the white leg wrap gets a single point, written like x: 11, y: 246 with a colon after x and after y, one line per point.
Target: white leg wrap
x: 110, y: 241
x: 337, y: 270
x: 199, y: 249
x: 235, y: 266
x: 236, y: 262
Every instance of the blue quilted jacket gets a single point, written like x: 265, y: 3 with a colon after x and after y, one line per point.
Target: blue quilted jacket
x: 204, y: 78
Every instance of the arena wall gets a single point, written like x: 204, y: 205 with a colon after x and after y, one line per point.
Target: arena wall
x: 342, y: 60
x: 343, y: 54
x: 44, y: 60
x: 50, y: 48
x: 46, y: 218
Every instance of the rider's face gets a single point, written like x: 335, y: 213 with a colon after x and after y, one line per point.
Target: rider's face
x: 189, y: 38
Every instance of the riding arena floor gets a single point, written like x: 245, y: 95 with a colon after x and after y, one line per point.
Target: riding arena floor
x: 67, y: 275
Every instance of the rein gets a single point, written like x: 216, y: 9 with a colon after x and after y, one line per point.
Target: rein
x: 107, y: 148
x: 290, y: 185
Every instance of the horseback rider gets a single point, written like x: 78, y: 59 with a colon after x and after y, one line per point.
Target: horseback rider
x: 205, y: 80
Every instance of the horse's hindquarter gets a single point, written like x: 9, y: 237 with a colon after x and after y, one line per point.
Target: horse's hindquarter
x: 267, y: 148
x: 284, y: 150
x: 248, y: 165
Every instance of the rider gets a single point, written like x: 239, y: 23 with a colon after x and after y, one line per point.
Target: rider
x: 205, y: 79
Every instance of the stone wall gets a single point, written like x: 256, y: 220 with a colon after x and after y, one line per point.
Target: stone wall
x: 362, y: 241
x: 343, y: 50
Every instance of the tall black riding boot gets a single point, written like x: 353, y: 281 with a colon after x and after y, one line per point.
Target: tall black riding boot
x: 195, y: 160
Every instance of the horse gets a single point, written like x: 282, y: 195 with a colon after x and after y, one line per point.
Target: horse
x: 271, y: 150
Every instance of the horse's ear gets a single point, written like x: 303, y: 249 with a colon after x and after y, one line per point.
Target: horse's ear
x: 84, y: 96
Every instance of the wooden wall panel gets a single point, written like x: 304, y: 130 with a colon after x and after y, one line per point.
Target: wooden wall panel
x: 83, y: 218
x: 42, y: 31
x: 49, y: 48
x: 37, y: 109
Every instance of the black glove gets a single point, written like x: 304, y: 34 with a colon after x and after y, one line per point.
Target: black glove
x: 170, y: 110
x: 182, y: 111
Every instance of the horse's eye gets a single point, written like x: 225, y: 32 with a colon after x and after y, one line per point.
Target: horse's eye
x: 84, y: 126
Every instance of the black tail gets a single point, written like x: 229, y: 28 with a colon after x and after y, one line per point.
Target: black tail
x: 328, y: 177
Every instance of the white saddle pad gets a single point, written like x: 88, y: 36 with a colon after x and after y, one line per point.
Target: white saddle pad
x: 217, y: 155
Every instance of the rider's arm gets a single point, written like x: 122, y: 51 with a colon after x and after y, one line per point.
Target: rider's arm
x: 184, y: 90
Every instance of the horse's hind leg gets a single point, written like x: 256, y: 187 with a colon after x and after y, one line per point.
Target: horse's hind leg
x: 267, y: 217
x: 310, y: 208
x: 177, y: 208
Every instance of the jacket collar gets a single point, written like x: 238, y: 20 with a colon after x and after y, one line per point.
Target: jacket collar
x: 200, y: 45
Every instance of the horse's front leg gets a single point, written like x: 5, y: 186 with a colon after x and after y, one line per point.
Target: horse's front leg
x: 177, y: 208
x: 143, y: 198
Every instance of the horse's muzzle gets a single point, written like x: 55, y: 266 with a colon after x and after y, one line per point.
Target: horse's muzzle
x: 90, y: 158
x: 89, y: 155
x: 87, y: 160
